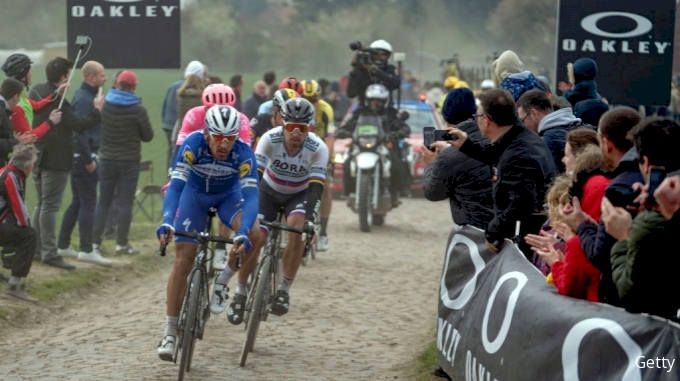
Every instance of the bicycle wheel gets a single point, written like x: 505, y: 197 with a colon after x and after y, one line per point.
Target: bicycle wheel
x: 261, y: 293
x: 188, y: 338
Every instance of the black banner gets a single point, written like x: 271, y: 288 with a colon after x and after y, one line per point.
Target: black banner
x: 500, y: 320
x: 631, y: 41
x: 131, y: 34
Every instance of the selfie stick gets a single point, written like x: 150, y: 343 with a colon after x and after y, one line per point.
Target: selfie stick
x: 81, y: 41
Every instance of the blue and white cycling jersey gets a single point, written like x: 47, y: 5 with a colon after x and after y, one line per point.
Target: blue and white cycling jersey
x: 233, y: 180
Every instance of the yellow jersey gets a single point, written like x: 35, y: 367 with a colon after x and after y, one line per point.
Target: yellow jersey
x: 323, y: 120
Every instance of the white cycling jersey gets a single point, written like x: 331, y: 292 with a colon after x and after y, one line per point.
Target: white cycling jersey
x: 288, y: 174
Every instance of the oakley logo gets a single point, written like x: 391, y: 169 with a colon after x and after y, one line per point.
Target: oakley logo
x: 643, y: 25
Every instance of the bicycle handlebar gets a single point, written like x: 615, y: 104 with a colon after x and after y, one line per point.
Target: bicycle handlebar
x: 280, y: 226
x: 200, y: 237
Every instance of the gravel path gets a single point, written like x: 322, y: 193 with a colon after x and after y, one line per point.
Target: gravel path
x: 363, y: 310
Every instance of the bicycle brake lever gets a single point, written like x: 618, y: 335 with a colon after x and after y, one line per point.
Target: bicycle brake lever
x: 161, y: 250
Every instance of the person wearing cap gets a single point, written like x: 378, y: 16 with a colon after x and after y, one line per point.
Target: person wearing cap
x: 125, y: 125
x: 55, y: 158
x: 169, y: 109
x: 451, y: 174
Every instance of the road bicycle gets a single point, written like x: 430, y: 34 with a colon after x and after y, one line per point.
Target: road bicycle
x: 264, y: 281
x: 195, y: 310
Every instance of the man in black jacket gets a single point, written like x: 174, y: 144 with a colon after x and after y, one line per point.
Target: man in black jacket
x: 523, y: 169
x: 377, y: 71
x: 451, y: 174
x: 55, y: 159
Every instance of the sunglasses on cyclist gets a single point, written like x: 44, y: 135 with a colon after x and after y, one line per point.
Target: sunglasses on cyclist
x: 302, y: 128
x: 220, y: 138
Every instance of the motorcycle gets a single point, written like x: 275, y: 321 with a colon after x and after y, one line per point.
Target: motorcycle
x: 370, y: 167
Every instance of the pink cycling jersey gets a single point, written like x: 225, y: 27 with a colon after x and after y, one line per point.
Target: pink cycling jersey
x: 193, y: 121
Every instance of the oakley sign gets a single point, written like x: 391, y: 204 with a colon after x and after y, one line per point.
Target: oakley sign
x: 589, y: 23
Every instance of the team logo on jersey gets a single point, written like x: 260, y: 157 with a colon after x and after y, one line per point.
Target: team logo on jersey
x: 188, y: 156
x: 244, y: 169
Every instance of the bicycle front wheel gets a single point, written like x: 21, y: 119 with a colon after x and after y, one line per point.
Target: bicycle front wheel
x: 259, y: 302
x: 189, y: 329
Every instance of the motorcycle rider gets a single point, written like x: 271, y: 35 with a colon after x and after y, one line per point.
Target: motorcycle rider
x: 396, y: 129
x: 377, y: 71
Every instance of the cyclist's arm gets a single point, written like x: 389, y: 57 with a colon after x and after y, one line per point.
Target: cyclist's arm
x: 178, y: 179
x: 262, y: 152
x: 249, y: 192
x: 317, y: 179
x: 37, y: 105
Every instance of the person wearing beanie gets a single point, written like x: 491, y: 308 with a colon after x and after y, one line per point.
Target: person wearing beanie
x: 509, y: 74
x: 451, y: 174
x: 125, y: 125
x: 590, y: 111
x: 169, y: 109
x: 582, y: 72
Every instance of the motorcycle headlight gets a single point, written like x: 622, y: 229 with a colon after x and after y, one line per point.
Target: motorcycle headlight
x: 368, y: 142
x: 339, y: 158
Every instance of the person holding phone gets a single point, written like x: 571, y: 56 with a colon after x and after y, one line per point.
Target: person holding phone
x: 451, y: 174
x: 643, y: 243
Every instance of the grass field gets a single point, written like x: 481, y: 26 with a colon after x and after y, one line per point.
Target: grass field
x: 152, y: 86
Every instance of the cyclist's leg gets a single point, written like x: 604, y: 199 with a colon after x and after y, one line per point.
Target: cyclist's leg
x: 190, y: 217
x: 326, y: 205
x: 292, y: 255
x: 220, y: 258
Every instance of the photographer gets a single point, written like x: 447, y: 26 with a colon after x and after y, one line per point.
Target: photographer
x: 451, y: 174
x: 395, y: 128
x: 370, y: 67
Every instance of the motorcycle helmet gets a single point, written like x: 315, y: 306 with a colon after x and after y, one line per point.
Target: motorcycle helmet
x: 222, y: 120
x: 218, y: 94
x: 377, y: 91
x: 297, y: 109
x: 383, y: 46
x: 17, y: 66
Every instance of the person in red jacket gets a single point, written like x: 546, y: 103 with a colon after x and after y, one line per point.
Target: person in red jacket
x: 18, y: 66
x: 573, y: 274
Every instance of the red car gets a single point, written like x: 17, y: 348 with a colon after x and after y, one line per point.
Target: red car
x: 421, y: 114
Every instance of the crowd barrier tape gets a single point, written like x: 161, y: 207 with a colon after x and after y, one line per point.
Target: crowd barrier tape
x: 499, y: 320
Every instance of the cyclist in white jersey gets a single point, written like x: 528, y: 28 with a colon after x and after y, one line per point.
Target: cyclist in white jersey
x: 292, y: 162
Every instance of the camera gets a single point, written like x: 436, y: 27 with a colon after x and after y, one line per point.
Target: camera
x: 363, y: 53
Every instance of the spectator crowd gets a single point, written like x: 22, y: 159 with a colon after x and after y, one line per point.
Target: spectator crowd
x: 588, y: 191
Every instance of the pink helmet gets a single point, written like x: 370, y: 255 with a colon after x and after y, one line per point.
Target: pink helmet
x: 218, y: 94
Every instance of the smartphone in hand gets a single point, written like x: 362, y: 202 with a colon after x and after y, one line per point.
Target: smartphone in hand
x: 655, y: 177
x: 428, y: 137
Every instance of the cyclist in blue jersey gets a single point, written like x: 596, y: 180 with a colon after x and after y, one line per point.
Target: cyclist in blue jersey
x: 213, y: 169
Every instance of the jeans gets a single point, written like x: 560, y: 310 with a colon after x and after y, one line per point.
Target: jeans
x: 81, y: 210
x: 49, y: 187
x: 119, y: 177
x: 110, y: 227
x: 23, y: 241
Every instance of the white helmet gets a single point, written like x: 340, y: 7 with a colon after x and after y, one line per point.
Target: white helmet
x: 488, y: 84
x: 377, y: 91
x: 383, y: 45
x: 222, y: 120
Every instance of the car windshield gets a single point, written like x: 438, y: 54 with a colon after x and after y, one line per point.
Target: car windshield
x: 419, y: 119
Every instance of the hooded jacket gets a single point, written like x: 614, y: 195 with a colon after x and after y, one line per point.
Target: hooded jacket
x: 585, y: 71
x: 466, y: 182
x: 523, y: 171
x: 553, y: 129
x: 125, y: 125
x: 55, y: 149
x: 519, y: 83
x: 595, y: 240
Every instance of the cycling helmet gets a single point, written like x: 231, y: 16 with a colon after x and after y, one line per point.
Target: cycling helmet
x: 222, y: 120
x: 17, y: 66
x: 311, y: 89
x: 218, y: 94
x: 282, y: 95
x: 291, y: 83
x: 298, y: 109
x: 488, y: 84
x: 377, y: 91
x: 450, y: 82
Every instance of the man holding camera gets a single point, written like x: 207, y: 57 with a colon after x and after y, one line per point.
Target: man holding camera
x: 369, y: 66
